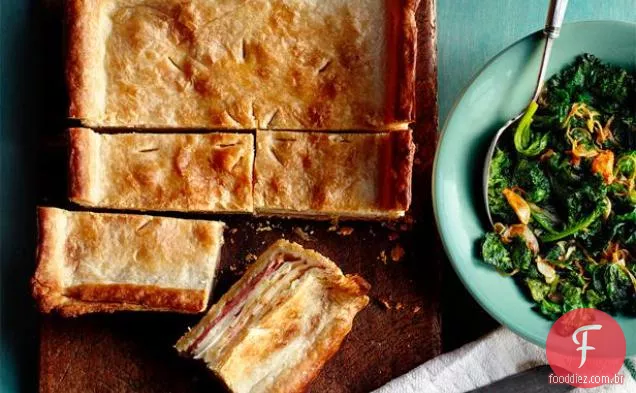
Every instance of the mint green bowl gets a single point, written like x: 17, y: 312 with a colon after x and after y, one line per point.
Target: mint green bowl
x: 498, y: 92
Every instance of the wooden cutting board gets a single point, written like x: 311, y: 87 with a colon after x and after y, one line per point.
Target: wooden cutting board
x: 132, y: 352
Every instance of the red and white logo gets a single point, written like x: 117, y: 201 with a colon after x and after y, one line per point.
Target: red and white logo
x: 587, y: 346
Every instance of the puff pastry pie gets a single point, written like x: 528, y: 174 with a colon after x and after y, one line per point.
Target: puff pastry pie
x: 97, y: 262
x: 333, y: 174
x: 279, y: 64
x: 177, y: 172
x: 277, y: 326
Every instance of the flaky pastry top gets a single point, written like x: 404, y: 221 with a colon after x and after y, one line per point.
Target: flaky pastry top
x: 179, y: 172
x: 279, y: 64
x: 333, y: 174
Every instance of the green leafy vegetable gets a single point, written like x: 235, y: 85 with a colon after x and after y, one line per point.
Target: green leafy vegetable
x: 538, y: 289
x: 500, y: 173
x: 618, y: 286
x: 531, y: 178
x: 594, y: 299
x: 576, y: 227
x: 614, y: 286
x: 572, y: 297
x: 521, y: 255
x: 572, y: 161
x: 526, y: 141
x: 545, y: 218
x: 496, y: 254
x: 550, y: 309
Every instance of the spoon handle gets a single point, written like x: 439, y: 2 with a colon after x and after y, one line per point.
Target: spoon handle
x: 554, y: 20
x: 552, y: 29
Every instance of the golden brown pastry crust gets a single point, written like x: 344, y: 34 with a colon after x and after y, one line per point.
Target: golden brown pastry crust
x: 97, y: 262
x: 82, y: 158
x: 294, y: 309
x: 398, y: 185
x: 325, y: 349
x: 177, y: 172
x: 83, y: 58
x: 402, y: 57
x: 326, y: 175
x: 337, y: 64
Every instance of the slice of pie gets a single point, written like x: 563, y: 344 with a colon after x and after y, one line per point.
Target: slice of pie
x: 98, y: 262
x: 177, y: 172
x: 242, y: 64
x: 278, y: 325
x: 324, y: 175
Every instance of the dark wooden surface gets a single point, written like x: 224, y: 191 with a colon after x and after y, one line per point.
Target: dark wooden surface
x: 401, y: 327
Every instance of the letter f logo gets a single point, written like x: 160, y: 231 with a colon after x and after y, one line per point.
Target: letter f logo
x: 584, y: 347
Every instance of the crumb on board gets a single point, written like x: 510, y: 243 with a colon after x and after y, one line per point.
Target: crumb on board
x: 233, y: 268
x: 334, y: 225
x: 382, y: 257
x: 345, y: 231
x: 233, y: 231
x: 250, y: 257
x: 416, y: 309
x: 389, y: 225
x: 301, y: 233
x: 397, y: 306
x: 407, y: 223
x: 264, y: 229
x: 394, y: 236
x: 397, y: 253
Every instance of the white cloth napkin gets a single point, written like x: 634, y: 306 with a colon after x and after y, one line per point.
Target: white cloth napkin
x: 492, y: 357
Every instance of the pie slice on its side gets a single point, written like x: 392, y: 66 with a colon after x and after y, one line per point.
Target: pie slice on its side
x: 99, y: 262
x: 162, y: 172
x: 280, y: 323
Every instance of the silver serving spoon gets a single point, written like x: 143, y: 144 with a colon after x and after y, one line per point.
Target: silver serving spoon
x: 552, y: 29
